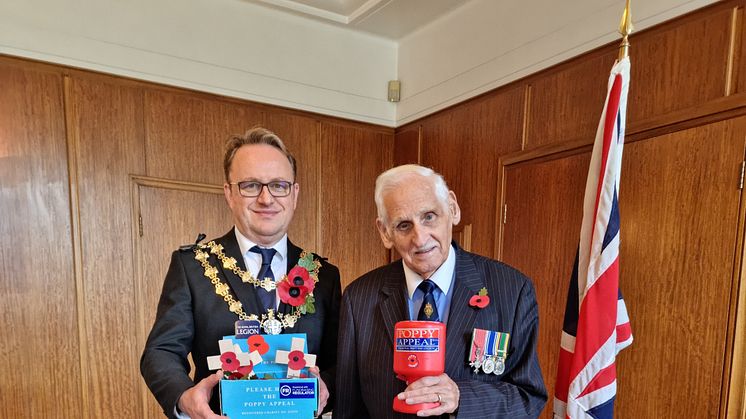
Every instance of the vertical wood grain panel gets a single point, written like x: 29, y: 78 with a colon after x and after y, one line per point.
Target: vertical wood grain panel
x: 464, y: 145
x: 679, y: 66
x: 566, y: 102
x: 39, y: 344
x: 108, y: 124
x: 407, y: 145
x: 300, y: 136
x: 162, y: 234
x: 679, y: 207
x: 186, y: 134
x: 545, y: 207
x: 351, y: 159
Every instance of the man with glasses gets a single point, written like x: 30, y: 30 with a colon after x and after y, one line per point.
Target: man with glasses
x: 242, y: 275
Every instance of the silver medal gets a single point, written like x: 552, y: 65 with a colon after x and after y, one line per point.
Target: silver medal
x: 488, y: 366
x: 272, y: 326
x: 499, y: 366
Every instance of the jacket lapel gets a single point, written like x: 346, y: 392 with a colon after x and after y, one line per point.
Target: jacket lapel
x: 461, y: 316
x: 393, y: 304
x: 243, y: 292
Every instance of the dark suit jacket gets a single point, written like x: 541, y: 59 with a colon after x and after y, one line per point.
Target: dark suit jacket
x: 371, y: 306
x: 192, y: 318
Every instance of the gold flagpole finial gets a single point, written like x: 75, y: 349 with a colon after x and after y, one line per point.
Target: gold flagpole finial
x: 625, y: 28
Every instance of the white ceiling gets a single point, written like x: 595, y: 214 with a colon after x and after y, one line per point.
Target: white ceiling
x: 391, y: 19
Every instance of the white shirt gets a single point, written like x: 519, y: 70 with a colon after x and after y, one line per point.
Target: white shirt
x: 253, y: 261
x: 442, y: 277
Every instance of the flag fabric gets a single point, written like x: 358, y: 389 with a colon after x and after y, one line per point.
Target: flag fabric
x: 596, y: 326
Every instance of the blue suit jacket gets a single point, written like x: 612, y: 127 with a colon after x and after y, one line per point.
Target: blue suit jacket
x: 371, y: 306
x: 192, y: 318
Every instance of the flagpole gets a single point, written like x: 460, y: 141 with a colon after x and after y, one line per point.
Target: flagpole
x: 625, y: 28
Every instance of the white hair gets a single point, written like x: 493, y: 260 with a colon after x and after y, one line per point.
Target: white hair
x: 394, y: 177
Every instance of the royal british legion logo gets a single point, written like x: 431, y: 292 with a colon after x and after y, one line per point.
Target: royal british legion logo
x: 417, y: 340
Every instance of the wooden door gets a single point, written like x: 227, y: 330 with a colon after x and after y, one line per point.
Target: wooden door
x: 169, y: 214
x: 679, y: 203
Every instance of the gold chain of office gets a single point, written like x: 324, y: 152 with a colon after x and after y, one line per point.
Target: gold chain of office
x: 222, y: 289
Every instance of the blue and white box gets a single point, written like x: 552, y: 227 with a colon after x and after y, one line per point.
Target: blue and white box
x: 270, y: 398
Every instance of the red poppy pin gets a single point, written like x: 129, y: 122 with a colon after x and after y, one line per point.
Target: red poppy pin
x: 296, y: 360
x: 230, y: 361
x: 297, y: 290
x: 257, y: 343
x: 480, y: 300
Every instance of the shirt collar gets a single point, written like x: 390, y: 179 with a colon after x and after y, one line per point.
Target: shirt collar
x: 442, y: 276
x: 245, y: 244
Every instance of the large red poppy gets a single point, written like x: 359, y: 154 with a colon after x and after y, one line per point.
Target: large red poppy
x: 299, y: 276
x: 230, y: 362
x: 257, y: 343
x: 296, y: 360
x: 294, y: 289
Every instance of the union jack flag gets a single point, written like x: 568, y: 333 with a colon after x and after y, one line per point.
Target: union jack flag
x: 596, y: 325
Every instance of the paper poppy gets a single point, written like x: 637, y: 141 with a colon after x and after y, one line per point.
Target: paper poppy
x: 245, y: 370
x: 479, y: 301
x: 296, y: 360
x: 230, y: 362
x: 299, y: 276
x: 292, y: 294
x: 257, y: 343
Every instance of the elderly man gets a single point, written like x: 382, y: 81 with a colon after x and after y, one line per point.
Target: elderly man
x: 199, y: 305
x: 438, y: 280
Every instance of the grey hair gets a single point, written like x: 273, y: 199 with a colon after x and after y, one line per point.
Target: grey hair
x: 394, y: 177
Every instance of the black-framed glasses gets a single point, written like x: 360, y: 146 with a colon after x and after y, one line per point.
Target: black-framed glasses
x: 252, y: 188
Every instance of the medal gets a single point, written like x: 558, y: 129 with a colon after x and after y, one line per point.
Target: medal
x: 488, y: 366
x: 499, y: 366
x: 488, y: 352
x: 272, y: 326
x: 476, y: 359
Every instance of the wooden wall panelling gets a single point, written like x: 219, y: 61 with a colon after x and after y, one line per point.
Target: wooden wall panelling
x: 186, y: 134
x: 679, y: 206
x: 738, y: 74
x: 408, y: 145
x: 351, y: 159
x: 464, y: 144
x: 734, y: 72
x: 736, y: 395
x: 201, y: 209
x: 566, y: 101
x: 679, y: 65
x: 226, y: 118
x: 39, y: 326
x: 544, y: 200
x: 300, y: 135
x: 107, y: 123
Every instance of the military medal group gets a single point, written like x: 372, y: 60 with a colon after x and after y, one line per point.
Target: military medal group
x: 489, y: 350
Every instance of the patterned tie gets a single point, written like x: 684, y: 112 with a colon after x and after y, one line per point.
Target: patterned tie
x: 267, y: 297
x: 428, y: 310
